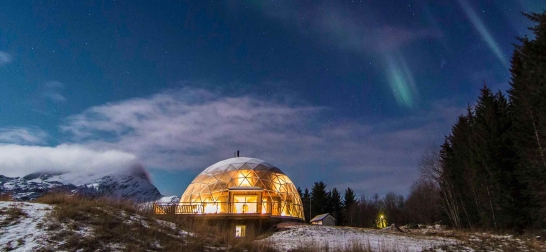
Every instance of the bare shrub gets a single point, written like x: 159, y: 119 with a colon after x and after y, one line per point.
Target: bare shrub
x: 13, y: 214
x: 5, y: 197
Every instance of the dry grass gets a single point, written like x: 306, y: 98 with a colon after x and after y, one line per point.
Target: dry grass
x: 486, y: 240
x: 105, y: 224
x: 5, y: 197
x: 12, y: 215
x: 79, y: 223
x: 216, y: 237
x: 355, y: 246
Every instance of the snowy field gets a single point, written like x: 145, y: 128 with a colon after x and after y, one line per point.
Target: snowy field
x: 308, y: 236
x: 30, y: 226
x: 20, y: 225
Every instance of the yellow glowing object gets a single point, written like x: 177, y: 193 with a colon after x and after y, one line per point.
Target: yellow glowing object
x: 210, y: 208
x: 245, y: 203
x: 381, y: 222
x: 244, y: 177
x: 242, y: 186
x: 240, y: 231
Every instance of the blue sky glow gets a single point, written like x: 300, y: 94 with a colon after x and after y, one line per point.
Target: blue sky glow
x: 347, y: 92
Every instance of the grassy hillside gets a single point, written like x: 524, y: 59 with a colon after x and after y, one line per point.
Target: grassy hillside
x: 58, y: 222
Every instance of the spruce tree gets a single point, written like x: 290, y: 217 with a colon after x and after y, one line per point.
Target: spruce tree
x: 494, y: 158
x: 350, y: 207
x: 337, y: 206
x: 528, y: 112
x: 319, y: 199
x: 464, y: 178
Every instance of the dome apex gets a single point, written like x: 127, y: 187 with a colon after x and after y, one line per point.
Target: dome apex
x: 235, y: 162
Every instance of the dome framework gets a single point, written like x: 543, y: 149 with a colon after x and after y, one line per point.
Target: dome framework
x: 242, y: 186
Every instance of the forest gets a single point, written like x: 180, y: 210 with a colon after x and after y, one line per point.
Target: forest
x: 490, y: 171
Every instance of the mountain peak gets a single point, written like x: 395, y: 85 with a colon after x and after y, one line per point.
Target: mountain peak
x: 131, y: 183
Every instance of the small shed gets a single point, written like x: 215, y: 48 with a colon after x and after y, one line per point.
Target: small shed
x: 324, y: 219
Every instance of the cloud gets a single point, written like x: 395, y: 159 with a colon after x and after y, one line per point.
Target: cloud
x: 189, y: 127
x: 355, y: 32
x: 51, y: 91
x: 193, y: 128
x: 19, y: 160
x: 5, y: 58
x: 22, y: 135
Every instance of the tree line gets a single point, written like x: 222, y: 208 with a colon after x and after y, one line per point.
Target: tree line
x: 350, y: 210
x: 490, y: 171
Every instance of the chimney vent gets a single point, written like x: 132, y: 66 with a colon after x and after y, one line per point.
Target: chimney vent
x: 237, y: 154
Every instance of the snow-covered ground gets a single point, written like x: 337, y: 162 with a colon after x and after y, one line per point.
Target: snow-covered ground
x: 306, y: 236
x: 24, y: 232
x: 28, y: 226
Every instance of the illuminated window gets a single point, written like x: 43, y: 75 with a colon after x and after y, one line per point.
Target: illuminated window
x: 245, y: 203
x: 240, y: 231
x: 210, y: 208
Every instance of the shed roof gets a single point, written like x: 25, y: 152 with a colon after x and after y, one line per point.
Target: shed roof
x: 321, y: 217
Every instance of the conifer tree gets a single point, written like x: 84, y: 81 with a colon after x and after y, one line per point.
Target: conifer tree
x: 528, y: 112
x: 337, y: 206
x: 350, y: 206
x: 319, y: 199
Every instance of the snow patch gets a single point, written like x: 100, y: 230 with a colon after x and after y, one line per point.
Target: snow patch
x: 344, y: 237
x: 23, y: 234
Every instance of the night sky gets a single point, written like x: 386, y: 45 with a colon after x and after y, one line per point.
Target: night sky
x: 347, y: 92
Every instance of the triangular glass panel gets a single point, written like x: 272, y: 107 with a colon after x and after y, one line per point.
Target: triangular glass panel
x: 244, y: 166
x: 275, y: 170
x: 252, y: 165
x: 206, y: 180
x: 261, y: 174
x: 230, y: 168
x: 244, y: 182
x: 261, y: 168
x: 237, y: 166
x: 231, y: 184
x: 213, y: 181
x: 200, y: 178
x: 224, y: 178
x: 260, y: 183
x: 218, y: 175
x: 216, y: 187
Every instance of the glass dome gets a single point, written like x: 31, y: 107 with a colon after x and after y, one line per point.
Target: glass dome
x: 242, y: 185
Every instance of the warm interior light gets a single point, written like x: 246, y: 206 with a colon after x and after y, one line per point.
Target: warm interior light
x: 285, y: 209
x: 264, y: 206
x: 245, y: 203
x: 240, y: 231
x: 244, y: 178
x: 213, y: 192
x: 210, y: 208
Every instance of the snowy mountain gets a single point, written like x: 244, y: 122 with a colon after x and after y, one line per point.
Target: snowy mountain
x: 131, y: 183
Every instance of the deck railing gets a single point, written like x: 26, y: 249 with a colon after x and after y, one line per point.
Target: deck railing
x: 275, y: 209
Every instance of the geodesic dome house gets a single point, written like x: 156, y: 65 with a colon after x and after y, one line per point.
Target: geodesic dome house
x: 242, y: 187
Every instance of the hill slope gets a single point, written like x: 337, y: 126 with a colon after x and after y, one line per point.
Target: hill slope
x: 131, y: 183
